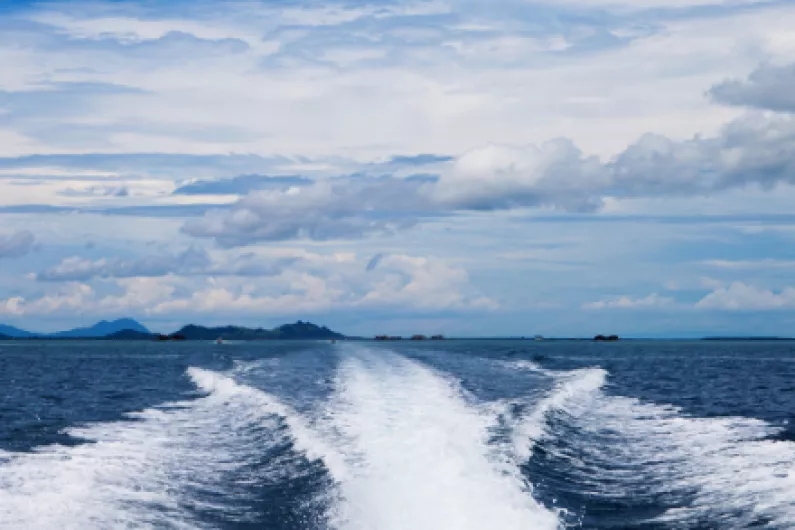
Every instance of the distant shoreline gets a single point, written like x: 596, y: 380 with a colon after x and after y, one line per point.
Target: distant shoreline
x: 404, y: 340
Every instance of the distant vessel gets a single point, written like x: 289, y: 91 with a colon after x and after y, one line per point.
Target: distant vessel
x: 219, y: 340
x: 538, y: 337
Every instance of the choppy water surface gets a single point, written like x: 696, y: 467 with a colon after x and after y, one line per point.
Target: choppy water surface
x: 443, y: 435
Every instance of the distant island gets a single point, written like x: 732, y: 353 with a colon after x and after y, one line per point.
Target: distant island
x: 299, y: 330
x: 129, y: 329
x: 609, y: 338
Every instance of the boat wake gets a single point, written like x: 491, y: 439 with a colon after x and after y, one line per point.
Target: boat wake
x: 193, y: 464
x: 419, y: 454
x: 392, y: 443
x: 697, y: 472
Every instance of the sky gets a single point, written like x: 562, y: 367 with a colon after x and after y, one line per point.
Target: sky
x: 500, y: 168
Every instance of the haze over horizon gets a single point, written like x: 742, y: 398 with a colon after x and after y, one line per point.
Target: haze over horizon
x: 565, y: 168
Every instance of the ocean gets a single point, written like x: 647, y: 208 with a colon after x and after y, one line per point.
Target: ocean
x: 402, y: 435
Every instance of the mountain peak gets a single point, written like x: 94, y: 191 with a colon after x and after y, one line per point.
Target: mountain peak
x: 104, y: 328
x: 16, y: 333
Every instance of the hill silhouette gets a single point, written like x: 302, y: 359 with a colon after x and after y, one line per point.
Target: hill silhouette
x: 298, y: 330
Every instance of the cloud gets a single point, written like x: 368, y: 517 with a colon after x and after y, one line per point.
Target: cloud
x: 145, y: 210
x: 710, y: 283
x: 315, y: 297
x: 373, y: 263
x: 75, y: 268
x: 636, y: 5
x: 626, y: 302
x: 241, y: 185
x: 265, y: 88
x: 752, y: 150
x: 192, y: 261
x: 750, y: 264
x: 152, y: 164
x: 314, y: 284
x: 422, y: 283
x: 743, y: 297
x: 506, y: 49
x: 97, y: 191
x: 250, y: 264
x: 418, y: 98
x: 500, y: 176
x: 72, y: 298
x: 124, y: 27
x: 419, y: 160
x: 768, y: 87
x: 63, y: 99
x: 337, y: 209
x: 17, y: 244
x: 487, y: 87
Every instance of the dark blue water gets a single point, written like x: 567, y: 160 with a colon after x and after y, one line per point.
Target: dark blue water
x: 454, y: 434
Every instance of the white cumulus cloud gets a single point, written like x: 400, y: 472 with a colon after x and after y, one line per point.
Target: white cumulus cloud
x: 627, y: 302
x: 739, y: 296
x: 313, y: 283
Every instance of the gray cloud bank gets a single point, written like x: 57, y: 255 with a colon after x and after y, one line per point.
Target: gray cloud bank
x: 241, y: 184
x: 753, y: 150
x: 340, y: 208
x: 769, y: 87
x: 192, y: 261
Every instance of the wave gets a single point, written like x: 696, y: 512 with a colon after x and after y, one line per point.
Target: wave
x: 165, y: 467
x: 726, y: 470
x: 300, y: 432
x: 406, y: 448
x: 400, y: 444
x: 700, y: 471
x: 570, y: 387
x: 419, y: 453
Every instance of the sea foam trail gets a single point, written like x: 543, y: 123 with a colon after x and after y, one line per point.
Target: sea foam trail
x: 574, y: 386
x: 718, y: 471
x: 301, y: 433
x: 729, y: 467
x: 157, y: 471
x: 419, y: 453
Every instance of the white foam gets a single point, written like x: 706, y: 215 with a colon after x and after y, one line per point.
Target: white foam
x: 569, y: 386
x: 418, y: 453
x: 150, y: 472
x: 720, y: 469
x: 525, y: 365
x: 737, y: 475
x: 302, y: 434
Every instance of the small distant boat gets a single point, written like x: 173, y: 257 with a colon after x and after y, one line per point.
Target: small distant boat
x: 219, y: 340
x: 333, y: 341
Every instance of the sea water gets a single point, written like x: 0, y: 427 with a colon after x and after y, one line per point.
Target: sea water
x: 415, y: 435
